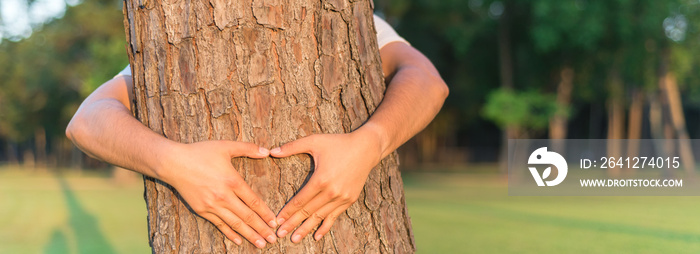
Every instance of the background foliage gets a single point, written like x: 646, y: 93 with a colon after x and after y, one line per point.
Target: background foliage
x: 503, y: 61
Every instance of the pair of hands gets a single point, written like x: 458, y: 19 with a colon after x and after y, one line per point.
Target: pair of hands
x: 210, y: 185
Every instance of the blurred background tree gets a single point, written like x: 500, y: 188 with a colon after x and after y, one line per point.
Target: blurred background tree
x: 516, y: 69
x: 603, y: 65
x: 47, y: 73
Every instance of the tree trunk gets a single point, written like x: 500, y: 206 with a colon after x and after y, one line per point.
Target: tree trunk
x: 634, y: 126
x: 11, y: 153
x: 678, y: 120
x: 28, y: 159
x: 268, y: 72
x: 506, y: 74
x: 616, y: 119
x: 428, y: 144
x: 40, y: 147
x: 559, y: 122
x: 657, y: 123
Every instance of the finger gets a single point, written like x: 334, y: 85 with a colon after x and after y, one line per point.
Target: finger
x: 312, y: 221
x: 309, y: 210
x: 302, y: 145
x: 238, y: 149
x: 223, y: 227
x: 328, y: 222
x: 298, y: 201
x: 250, y: 218
x: 256, y: 204
x: 239, y: 226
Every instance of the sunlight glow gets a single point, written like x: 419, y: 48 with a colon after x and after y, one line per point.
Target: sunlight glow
x: 18, y: 19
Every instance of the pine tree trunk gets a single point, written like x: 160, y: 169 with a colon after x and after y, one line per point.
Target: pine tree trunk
x: 268, y: 72
x: 678, y: 120
x: 616, y: 118
x: 506, y: 74
x: 558, y: 124
x: 634, y: 126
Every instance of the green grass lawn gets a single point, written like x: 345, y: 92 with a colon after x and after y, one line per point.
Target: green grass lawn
x: 451, y: 213
x: 43, y: 213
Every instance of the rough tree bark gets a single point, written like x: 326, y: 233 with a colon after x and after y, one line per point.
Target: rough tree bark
x: 268, y: 72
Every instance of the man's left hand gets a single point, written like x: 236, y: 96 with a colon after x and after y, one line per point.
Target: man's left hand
x: 342, y: 164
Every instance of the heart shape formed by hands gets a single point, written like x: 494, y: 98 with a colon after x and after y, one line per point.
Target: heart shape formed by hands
x: 342, y: 163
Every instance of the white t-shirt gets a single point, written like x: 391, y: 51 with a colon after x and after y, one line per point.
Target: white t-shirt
x: 385, y: 35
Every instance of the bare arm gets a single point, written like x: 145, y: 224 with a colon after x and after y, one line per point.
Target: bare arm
x: 414, y: 95
x: 104, y: 128
x: 202, y: 173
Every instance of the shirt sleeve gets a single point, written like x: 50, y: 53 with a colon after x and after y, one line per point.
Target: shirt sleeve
x: 385, y: 33
x: 125, y: 72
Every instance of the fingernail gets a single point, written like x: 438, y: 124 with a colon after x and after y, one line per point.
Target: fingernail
x: 276, y: 150
x: 318, y: 237
x: 280, y: 221
x: 296, y: 238
x: 263, y: 150
x: 260, y: 244
x: 238, y: 241
x: 271, y: 239
x: 282, y: 233
x: 272, y: 223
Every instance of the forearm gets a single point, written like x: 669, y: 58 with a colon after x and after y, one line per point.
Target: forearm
x: 105, y: 129
x: 201, y: 172
x: 413, y: 98
x: 342, y: 162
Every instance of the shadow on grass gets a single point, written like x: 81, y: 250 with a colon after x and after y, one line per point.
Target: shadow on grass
x: 58, y: 243
x: 88, y: 236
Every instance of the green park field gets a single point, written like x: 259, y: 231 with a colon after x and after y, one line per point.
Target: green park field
x: 451, y: 213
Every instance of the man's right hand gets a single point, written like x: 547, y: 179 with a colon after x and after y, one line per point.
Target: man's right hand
x: 202, y: 172
x: 203, y: 175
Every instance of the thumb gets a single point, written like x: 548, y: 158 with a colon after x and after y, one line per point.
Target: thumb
x: 245, y: 149
x: 302, y: 145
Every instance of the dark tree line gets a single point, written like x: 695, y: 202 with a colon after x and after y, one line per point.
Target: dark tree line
x: 516, y: 68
